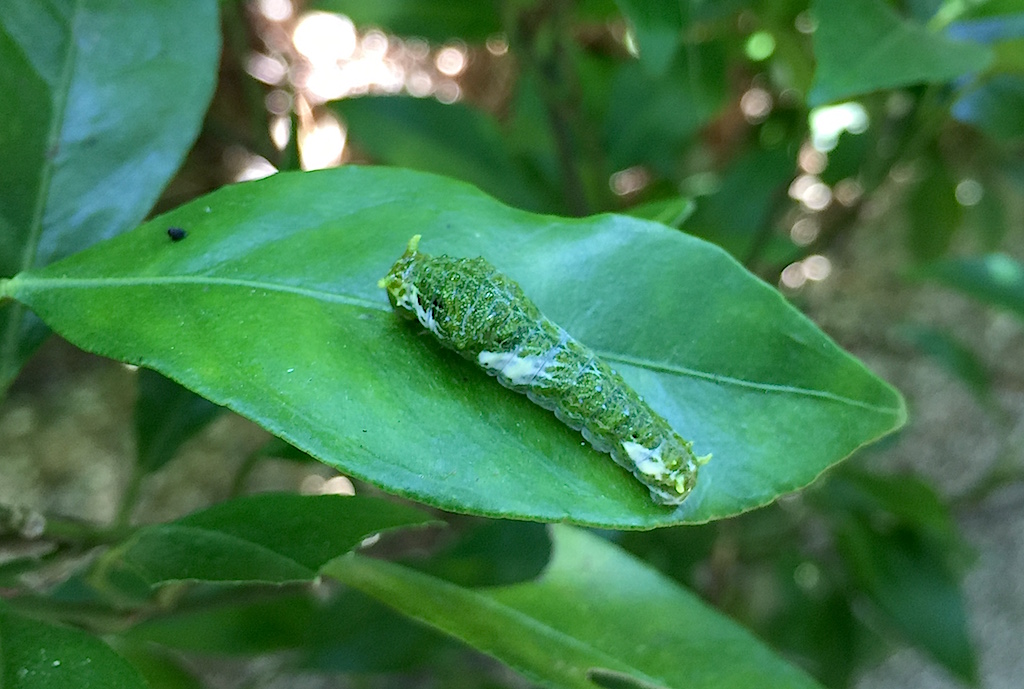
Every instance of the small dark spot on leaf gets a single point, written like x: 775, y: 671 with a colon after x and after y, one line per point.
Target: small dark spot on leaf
x: 176, y: 234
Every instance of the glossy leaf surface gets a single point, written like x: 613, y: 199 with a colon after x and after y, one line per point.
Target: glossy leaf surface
x: 271, y: 308
x: 83, y: 140
x: 266, y: 538
x: 595, y: 616
x: 37, y: 655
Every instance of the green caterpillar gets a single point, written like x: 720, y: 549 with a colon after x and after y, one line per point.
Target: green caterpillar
x: 485, y: 316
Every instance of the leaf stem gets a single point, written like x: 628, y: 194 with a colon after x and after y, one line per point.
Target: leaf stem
x: 538, y: 35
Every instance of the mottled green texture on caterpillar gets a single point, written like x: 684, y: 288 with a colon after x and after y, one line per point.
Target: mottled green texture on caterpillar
x: 486, y: 317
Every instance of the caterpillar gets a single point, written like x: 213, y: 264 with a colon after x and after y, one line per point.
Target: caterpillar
x: 485, y: 316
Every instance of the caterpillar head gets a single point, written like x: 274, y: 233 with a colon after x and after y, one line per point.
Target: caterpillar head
x: 398, y: 282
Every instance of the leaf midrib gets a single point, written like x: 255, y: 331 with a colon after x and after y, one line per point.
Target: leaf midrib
x: 358, y: 302
x: 660, y: 367
x: 198, y: 280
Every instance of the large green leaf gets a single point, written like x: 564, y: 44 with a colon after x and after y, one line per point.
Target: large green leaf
x: 596, y: 617
x: 36, y: 655
x: 271, y: 307
x: 89, y: 88
x: 266, y: 538
x: 864, y: 45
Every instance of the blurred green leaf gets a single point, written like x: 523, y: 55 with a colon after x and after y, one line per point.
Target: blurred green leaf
x: 85, y: 145
x: 279, y: 449
x: 456, y: 140
x: 988, y: 218
x: 673, y: 211
x: 951, y: 355
x: 816, y: 628
x: 651, y: 119
x: 907, y: 498
x: 995, y: 279
x: 349, y: 632
x: 491, y: 552
x: 468, y: 20
x: 268, y: 624
x: 903, y: 550
x: 595, y: 611
x: 740, y: 211
x: 357, y: 633
x: 158, y: 667
x: 996, y: 107
x: 908, y: 580
x: 935, y: 213
x: 864, y: 45
x: 37, y: 655
x: 166, y: 415
x: 657, y: 26
x: 265, y: 538
x: 271, y: 307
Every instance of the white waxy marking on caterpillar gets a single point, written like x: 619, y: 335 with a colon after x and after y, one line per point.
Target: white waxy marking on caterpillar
x: 519, y: 370
x: 485, y: 316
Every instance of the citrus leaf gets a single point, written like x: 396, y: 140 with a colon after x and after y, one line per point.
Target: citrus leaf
x: 87, y: 87
x: 595, y: 617
x: 271, y: 308
x: 266, y: 538
x: 37, y: 655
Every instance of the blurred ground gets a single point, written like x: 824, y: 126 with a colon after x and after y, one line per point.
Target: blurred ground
x: 952, y: 439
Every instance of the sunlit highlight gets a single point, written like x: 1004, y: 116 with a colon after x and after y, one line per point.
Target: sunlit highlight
x: 828, y: 123
x: 814, y: 268
x: 804, y: 231
x: 246, y: 166
x: 269, y: 70
x: 814, y: 194
x: 812, y: 161
x: 759, y: 46
x: 314, y: 484
x: 275, y: 10
x: 969, y: 192
x: 756, y: 105
x: 629, y: 181
x: 280, y: 131
x: 325, y: 38
x: 451, y: 60
x: 322, y: 146
x: 320, y: 57
x: 497, y: 45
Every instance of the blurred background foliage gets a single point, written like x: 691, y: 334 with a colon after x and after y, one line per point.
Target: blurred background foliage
x: 845, y: 150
